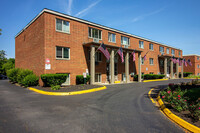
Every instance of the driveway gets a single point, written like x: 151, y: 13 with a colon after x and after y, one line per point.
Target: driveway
x: 123, y: 108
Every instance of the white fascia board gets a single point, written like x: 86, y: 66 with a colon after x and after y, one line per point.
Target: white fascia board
x: 90, y: 23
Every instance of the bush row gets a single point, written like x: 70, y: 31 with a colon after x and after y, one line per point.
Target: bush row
x: 150, y: 76
x: 24, y: 77
x: 186, y: 74
x: 80, y: 79
x: 53, y: 79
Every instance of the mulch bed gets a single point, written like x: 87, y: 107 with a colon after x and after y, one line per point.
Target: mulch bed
x: 69, y: 88
x: 183, y: 115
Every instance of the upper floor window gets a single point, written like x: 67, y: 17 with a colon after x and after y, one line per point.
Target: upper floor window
x: 161, y: 49
x: 125, y: 40
x: 151, y: 61
x: 141, y: 44
x: 94, y: 33
x: 198, y: 66
x: 142, y: 61
x: 167, y: 50
x: 151, y: 46
x: 197, y: 58
x: 172, y: 52
x: 62, y: 25
x: 62, y: 52
x: 179, y: 53
x: 111, y: 37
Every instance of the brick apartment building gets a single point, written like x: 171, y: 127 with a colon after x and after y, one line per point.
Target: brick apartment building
x: 195, y: 60
x: 58, y: 43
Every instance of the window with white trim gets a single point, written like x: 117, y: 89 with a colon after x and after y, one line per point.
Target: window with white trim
x: 167, y: 50
x: 172, y: 52
x: 62, y: 52
x: 151, y: 46
x: 141, y: 44
x: 198, y: 66
x: 151, y: 61
x: 125, y: 40
x: 161, y: 49
x: 98, y: 77
x: 111, y: 37
x: 94, y: 33
x: 62, y: 25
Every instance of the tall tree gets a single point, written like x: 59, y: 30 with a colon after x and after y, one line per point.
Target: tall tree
x: 2, y: 61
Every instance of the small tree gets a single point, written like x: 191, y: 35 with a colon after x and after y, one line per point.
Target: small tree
x: 0, y: 31
x: 2, y: 61
x: 10, y: 63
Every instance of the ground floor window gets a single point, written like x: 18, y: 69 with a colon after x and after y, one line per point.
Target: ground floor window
x: 97, y: 77
x: 67, y: 82
x: 151, y: 73
x: 123, y: 77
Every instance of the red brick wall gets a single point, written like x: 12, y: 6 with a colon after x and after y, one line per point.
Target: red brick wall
x: 42, y: 39
x: 194, y: 69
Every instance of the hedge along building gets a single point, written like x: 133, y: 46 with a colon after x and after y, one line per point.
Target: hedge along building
x: 195, y: 61
x: 58, y: 43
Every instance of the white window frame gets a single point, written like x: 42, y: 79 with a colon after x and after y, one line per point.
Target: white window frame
x: 173, y: 52
x: 163, y: 49
x: 111, y: 37
x: 62, y: 26
x: 90, y: 28
x: 198, y: 66
x: 151, y: 61
x: 141, y: 45
x: 122, y: 38
x: 63, y: 53
x: 167, y: 50
x: 151, y: 46
x: 98, y: 78
x: 64, y: 84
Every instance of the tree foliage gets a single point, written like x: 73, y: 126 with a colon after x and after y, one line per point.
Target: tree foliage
x: 0, y: 31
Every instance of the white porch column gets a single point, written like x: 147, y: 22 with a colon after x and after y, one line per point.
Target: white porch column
x: 177, y: 72
x: 127, y: 67
x: 92, y: 65
x: 172, y: 69
x: 139, y: 67
x: 182, y: 69
x: 165, y: 67
x: 112, y: 67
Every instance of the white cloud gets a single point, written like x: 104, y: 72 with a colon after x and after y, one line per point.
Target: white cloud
x: 84, y: 11
x: 147, y: 15
x: 69, y: 7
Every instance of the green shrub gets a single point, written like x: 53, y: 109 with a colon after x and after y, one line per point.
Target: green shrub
x: 53, y: 79
x: 10, y: 64
x: 22, y: 74
x: 55, y: 87
x: 12, y: 74
x: 149, y: 76
x: 135, y: 77
x: 30, y: 80
x: 80, y: 79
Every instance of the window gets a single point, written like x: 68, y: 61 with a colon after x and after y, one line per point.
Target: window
x: 198, y: 66
x: 151, y: 46
x: 167, y: 50
x: 94, y: 33
x: 151, y: 61
x: 142, y: 61
x: 197, y: 58
x: 161, y: 49
x: 179, y: 53
x: 62, y: 52
x: 67, y: 82
x: 141, y: 44
x: 98, y: 77
x: 111, y: 37
x: 172, y: 52
x: 161, y: 62
x: 151, y: 73
x: 98, y: 57
x: 62, y: 25
x: 125, y: 40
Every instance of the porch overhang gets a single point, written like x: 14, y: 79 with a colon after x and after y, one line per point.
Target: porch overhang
x: 110, y: 46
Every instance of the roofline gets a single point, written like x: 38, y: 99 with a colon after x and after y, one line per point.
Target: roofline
x: 87, y: 22
x: 191, y: 55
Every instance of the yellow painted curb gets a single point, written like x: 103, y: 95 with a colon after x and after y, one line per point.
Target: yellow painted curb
x: 149, y: 94
x: 177, y: 119
x: 154, y: 80
x: 191, y: 78
x: 67, y: 93
x: 117, y: 82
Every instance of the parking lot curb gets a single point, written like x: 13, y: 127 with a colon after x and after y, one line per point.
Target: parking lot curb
x: 155, y: 80
x: 67, y: 93
x: 177, y: 119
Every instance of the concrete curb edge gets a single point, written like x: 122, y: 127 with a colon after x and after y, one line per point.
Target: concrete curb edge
x: 177, y: 119
x: 67, y: 93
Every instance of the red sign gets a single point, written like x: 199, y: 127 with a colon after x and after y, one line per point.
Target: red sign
x: 47, y: 61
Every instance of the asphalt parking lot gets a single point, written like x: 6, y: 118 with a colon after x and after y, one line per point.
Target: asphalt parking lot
x: 122, y: 108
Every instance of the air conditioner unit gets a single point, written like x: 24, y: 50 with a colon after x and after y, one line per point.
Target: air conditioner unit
x: 125, y: 46
x: 96, y: 40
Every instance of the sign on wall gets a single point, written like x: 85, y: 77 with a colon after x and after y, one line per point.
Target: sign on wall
x: 47, y: 66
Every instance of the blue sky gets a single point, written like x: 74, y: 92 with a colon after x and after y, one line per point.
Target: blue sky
x: 172, y: 22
